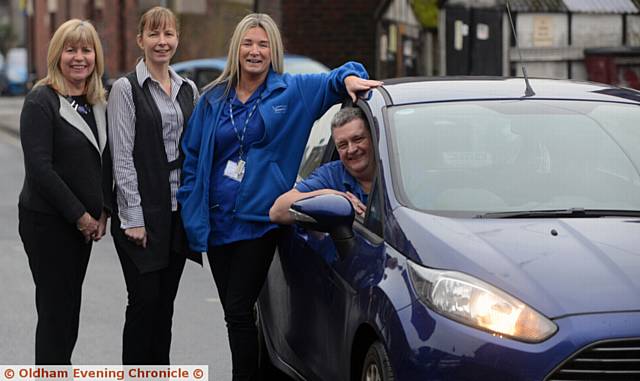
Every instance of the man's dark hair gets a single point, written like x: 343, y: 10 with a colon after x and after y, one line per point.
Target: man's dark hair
x: 346, y: 115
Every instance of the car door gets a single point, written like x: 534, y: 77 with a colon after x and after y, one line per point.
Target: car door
x: 324, y: 288
x: 290, y: 304
x: 346, y: 280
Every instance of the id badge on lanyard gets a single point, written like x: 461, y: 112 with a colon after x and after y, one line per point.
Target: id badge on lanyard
x: 234, y: 171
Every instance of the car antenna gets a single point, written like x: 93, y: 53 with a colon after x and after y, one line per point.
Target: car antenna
x: 528, y: 91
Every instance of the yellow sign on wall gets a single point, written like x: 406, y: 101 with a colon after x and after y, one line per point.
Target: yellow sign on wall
x: 542, y: 31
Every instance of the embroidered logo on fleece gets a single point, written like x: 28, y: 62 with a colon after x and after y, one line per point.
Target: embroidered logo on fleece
x: 279, y: 109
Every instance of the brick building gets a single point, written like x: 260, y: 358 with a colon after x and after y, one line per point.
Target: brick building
x: 330, y: 31
x: 206, y: 26
x: 382, y: 34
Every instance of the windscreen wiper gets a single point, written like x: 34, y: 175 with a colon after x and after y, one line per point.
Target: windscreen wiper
x: 562, y: 213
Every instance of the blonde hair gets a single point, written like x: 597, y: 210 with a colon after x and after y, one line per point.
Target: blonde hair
x: 231, y: 74
x: 74, y: 32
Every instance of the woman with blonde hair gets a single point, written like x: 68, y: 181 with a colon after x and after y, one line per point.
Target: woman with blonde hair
x: 242, y: 150
x: 148, y: 110
x: 64, y: 203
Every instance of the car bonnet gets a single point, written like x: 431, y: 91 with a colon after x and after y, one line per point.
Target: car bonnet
x: 587, y: 265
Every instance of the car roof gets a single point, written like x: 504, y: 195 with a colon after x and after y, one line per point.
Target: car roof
x: 424, y: 90
x: 296, y: 57
x: 217, y: 63
x: 220, y: 62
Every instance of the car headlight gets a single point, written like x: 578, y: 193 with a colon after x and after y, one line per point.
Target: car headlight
x: 478, y: 304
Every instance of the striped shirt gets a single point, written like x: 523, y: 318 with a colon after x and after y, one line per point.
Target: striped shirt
x: 122, y: 122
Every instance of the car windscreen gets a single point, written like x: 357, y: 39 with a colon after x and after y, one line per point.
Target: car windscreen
x: 516, y: 155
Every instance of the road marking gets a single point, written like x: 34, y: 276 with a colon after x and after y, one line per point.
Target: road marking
x: 212, y: 300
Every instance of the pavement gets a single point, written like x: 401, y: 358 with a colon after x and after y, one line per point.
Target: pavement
x: 10, y: 114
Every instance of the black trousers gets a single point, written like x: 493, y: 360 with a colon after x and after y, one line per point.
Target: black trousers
x: 146, y: 338
x: 58, y: 259
x: 239, y: 270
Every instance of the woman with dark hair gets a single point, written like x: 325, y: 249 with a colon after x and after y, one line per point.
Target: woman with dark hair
x: 148, y: 110
x: 242, y: 150
x: 64, y: 203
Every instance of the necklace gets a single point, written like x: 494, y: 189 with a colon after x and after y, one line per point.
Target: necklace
x: 79, y: 104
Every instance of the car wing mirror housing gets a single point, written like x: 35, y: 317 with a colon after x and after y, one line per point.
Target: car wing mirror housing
x: 329, y: 213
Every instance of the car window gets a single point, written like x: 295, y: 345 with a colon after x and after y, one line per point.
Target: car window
x: 373, y: 216
x: 514, y: 155
x: 189, y: 74
x: 206, y: 76
x: 319, y: 150
x: 318, y: 140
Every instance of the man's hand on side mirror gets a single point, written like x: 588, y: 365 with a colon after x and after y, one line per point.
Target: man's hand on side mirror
x: 358, y: 206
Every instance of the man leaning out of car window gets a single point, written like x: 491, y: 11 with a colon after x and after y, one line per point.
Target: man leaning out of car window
x: 351, y: 176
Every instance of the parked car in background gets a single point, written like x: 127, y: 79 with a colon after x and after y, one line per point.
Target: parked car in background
x: 16, y: 71
x: 203, y: 71
x: 501, y: 241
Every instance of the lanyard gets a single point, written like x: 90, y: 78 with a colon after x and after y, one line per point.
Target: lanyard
x: 246, y: 123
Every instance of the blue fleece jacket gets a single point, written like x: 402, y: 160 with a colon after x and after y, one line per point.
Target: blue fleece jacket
x: 289, y: 106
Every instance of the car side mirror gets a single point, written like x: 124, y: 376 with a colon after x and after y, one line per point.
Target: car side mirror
x: 330, y: 213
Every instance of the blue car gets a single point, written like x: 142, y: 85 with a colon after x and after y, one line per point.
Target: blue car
x: 203, y: 71
x: 501, y: 241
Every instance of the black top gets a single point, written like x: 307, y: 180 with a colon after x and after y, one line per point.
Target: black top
x: 83, y: 108
x: 65, y: 173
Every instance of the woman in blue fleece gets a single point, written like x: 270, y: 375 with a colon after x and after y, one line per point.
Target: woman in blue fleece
x: 242, y: 150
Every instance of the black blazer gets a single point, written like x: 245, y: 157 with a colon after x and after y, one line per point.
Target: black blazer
x: 67, y: 172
